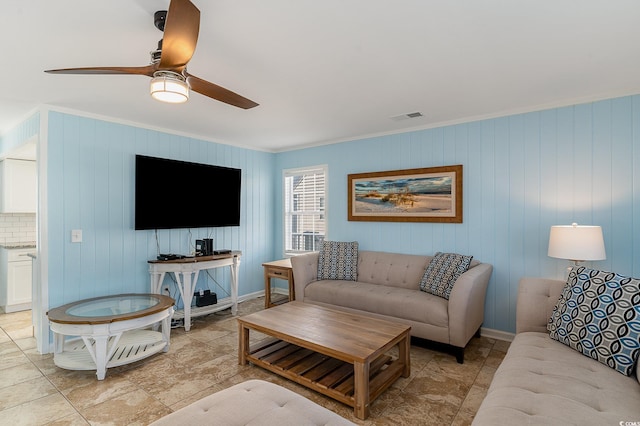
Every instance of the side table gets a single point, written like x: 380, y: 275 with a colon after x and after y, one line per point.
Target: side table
x: 277, y: 269
x: 112, y: 331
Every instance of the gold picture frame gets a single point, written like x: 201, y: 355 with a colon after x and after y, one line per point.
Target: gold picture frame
x: 432, y: 194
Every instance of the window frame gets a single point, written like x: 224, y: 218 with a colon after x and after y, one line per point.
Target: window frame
x: 322, y: 206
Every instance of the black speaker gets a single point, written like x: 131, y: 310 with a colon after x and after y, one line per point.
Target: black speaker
x: 204, y: 247
x: 208, y: 242
x: 206, y: 298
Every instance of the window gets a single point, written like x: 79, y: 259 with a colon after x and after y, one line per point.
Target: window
x: 304, y: 209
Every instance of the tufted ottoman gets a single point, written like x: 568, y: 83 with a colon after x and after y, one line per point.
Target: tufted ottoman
x: 254, y: 402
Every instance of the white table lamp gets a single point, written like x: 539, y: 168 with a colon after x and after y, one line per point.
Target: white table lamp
x: 576, y: 243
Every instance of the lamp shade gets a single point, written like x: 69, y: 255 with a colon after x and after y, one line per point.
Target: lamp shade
x: 577, y: 243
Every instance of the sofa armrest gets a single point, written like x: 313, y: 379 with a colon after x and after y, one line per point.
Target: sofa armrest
x: 305, y: 271
x: 466, y: 304
x: 536, y: 300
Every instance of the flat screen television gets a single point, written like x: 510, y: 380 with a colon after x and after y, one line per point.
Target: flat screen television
x: 179, y: 194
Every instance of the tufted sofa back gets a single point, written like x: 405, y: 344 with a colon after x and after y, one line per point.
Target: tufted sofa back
x: 393, y: 269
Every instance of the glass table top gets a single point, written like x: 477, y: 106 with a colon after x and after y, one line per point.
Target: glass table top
x: 116, y: 305
x: 110, y: 308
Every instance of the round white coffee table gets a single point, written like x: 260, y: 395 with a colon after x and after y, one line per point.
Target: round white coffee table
x: 110, y: 331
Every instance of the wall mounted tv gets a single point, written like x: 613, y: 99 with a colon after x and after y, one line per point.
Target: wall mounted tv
x: 179, y: 194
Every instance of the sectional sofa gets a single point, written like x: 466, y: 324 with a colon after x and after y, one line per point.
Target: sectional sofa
x: 544, y: 382
x: 387, y: 285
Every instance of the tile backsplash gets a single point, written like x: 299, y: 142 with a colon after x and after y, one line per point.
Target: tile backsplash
x: 17, y: 228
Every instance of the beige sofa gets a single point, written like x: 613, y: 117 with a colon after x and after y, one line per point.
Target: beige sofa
x: 388, y: 287
x: 544, y: 382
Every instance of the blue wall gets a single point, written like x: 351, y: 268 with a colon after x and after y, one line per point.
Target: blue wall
x: 91, y: 187
x: 522, y: 174
x: 20, y: 134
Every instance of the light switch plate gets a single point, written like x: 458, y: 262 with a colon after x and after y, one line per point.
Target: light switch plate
x: 76, y: 235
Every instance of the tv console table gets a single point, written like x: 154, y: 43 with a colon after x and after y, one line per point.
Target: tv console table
x: 186, y: 272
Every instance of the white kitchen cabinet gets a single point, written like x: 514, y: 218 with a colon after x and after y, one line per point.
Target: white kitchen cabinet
x: 15, y: 279
x: 18, y: 183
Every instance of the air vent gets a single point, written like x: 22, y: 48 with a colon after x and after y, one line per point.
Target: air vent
x: 407, y: 116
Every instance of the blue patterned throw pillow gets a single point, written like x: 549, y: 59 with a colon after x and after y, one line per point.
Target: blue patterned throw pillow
x: 598, y: 315
x: 442, y: 272
x: 338, y: 261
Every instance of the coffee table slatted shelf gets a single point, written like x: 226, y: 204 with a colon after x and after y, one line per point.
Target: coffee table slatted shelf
x: 133, y: 346
x: 326, y: 375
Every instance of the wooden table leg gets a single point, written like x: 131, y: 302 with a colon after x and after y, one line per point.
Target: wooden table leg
x: 404, y: 349
x: 243, y: 343
x: 361, y: 389
x: 292, y: 288
x: 267, y: 289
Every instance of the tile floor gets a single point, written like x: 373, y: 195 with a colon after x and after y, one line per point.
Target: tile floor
x: 33, y: 391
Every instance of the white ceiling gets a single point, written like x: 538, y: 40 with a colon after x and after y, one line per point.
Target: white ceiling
x: 323, y: 71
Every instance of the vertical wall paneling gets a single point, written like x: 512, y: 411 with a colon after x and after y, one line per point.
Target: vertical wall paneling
x: 635, y: 184
x: 549, y: 164
x: 99, y: 143
x: 532, y: 243
x: 23, y: 132
x: 622, y: 177
x: 460, y: 237
x: 602, y: 174
x: 473, y: 194
x: 517, y: 205
x: 71, y: 203
x: 565, y: 151
x: 56, y: 220
x: 484, y: 179
x: 91, y: 177
x: 522, y: 174
x: 582, y: 164
x: 502, y: 213
x: 87, y: 203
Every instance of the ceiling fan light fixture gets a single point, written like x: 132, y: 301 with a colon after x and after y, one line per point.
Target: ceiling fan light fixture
x: 168, y: 86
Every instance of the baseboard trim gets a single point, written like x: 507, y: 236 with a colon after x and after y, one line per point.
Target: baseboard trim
x: 497, y: 334
x: 250, y: 296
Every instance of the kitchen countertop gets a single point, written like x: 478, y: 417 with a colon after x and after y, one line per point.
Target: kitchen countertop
x: 18, y: 245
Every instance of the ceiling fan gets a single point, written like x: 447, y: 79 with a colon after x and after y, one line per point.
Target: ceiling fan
x: 170, y: 81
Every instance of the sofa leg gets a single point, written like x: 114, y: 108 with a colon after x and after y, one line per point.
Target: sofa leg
x: 477, y: 332
x: 459, y: 353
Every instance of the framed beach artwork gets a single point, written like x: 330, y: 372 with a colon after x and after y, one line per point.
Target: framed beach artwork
x: 432, y: 194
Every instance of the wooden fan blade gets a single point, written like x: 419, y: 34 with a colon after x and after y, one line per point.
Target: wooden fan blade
x: 180, y: 35
x: 146, y: 70
x: 218, y: 93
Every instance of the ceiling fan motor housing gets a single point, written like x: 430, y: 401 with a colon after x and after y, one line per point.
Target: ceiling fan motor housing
x: 156, y: 54
x: 159, y: 19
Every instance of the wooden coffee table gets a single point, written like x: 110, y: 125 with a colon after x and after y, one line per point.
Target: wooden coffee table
x: 339, y: 354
